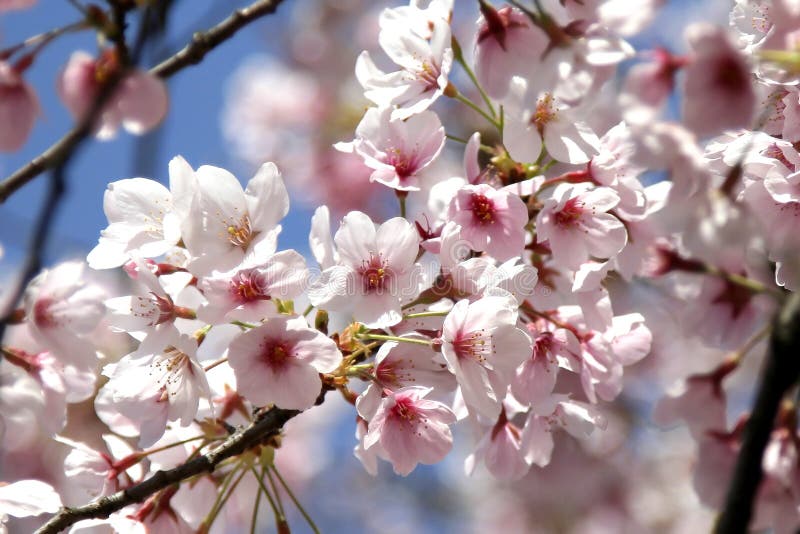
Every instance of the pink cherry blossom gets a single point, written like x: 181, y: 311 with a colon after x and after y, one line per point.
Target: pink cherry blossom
x: 649, y: 84
x: 501, y: 450
x: 19, y: 108
x: 699, y: 400
x: 161, y: 381
x: 7, y: 5
x: 576, y: 224
x: 374, y: 275
x: 139, y: 103
x: 144, y: 218
x: 226, y: 223
x: 279, y: 363
x: 483, y: 347
x: 62, y: 308
x: 398, y: 150
x: 535, y: 379
x: 424, y: 59
x: 719, y: 92
x: 247, y: 293
x: 536, y: 120
x: 399, y: 365
x: 411, y: 429
x: 491, y: 220
x: 507, y: 44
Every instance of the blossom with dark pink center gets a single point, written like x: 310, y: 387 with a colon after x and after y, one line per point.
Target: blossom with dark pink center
x: 398, y: 365
x: 374, y: 275
x: 411, y: 429
x: 576, y: 224
x: 418, y: 41
x: 507, y: 44
x: 279, y: 363
x: 247, y: 292
x: 483, y: 347
x: 398, y: 150
x: 491, y: 220
x: 719, y: 92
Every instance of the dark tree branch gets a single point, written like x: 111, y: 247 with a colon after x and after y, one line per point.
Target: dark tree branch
x: 781, y: 372
x: 269, y: 424
x: 202, y: 43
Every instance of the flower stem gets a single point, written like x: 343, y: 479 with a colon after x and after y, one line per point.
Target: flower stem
x: 228, y: 485
x: 215, y: 363
x: 242, y: 325
x: 254, y: 519
x: 456, y: 139
x: 381, y: 337
x: 279, y: 517
x: 474, y: 79
x: 469, y: 103
x: 426, y: 314
x: 295, y: 501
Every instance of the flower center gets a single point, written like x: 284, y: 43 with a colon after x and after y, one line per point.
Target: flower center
x: 404, y: 409
x: 482, y: 209
x: 402, y: 166
x: 774, y: 151
x: 545, y: 112
x: 374, y: 273
x: 170, y: 366
x: 473, y: 346
x: 242, y: 234
x: 429, y: 74
x: 570, y: 214
x: 248, y: 286
x: 543, y: 345
x: 276, y: 355
x: 730, y: 76
x: 42, y: 315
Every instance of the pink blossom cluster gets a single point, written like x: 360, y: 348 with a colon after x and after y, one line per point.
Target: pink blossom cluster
x: 503, y: 305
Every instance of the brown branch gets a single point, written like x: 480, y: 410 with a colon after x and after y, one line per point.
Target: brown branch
x: 202, y: 43
x: 781, y: 372
x: 269, y: 424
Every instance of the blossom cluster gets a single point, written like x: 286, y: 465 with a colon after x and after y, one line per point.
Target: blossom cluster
x: 507, y: 299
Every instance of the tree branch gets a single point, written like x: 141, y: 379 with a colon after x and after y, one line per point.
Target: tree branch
x: 269, y: 424
x: 202, y: 43
x: 781, y: 372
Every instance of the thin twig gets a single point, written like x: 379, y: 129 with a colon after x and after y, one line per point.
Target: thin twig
x: 267, y: 425
x: 781, y: 372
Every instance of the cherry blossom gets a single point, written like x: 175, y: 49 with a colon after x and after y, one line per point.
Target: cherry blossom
x: 483, y: 347
x: 144, y: 218
x: 279, y: 363
x: 425, y: 62
x: 541, y: 120
x: 139, y: 104
x: 397, y: 149
x: 411, y: 429
x: 374, y: 272
x: 576, y: 224
x: 227, y: 223
x: 490, y: 220
x: 719, y: 93
x: 507, y: 44
x: 247, y: 293
x: 19, y: 108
